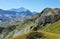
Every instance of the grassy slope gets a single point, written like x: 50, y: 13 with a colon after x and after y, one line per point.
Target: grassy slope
x: 53, y: 28
x: 51, y: 31
x: 47, y: 35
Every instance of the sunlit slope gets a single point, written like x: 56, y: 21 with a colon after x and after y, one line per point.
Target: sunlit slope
x: 38, y: 35
x: 53, y: 28
x: 51, y: 31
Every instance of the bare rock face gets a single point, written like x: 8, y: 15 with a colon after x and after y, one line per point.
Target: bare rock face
x: 48, y: 15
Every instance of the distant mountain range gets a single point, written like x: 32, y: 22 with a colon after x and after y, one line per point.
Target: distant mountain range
x: 20, y: 14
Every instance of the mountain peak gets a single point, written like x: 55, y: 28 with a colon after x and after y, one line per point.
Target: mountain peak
x: 22, y: 8
x: 19, y: 9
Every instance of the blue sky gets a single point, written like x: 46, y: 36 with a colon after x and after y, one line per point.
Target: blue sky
x: 32, y: 5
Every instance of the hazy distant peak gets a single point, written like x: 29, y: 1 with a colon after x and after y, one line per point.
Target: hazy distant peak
x: 22, y: 8
x: 19, y: 9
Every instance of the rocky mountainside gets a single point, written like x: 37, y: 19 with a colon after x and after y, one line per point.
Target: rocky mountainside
x: 49, y: 15
x: 43, y: 25
x: 12, y: 16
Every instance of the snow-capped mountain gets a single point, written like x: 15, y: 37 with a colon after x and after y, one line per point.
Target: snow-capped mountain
x: 19, y: 13
x: 19, y: 9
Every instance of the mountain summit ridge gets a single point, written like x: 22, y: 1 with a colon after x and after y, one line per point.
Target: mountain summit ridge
x: 19, y: 13
x: 18, y: 9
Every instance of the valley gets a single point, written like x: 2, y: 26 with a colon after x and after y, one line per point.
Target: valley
x: 42, y: 25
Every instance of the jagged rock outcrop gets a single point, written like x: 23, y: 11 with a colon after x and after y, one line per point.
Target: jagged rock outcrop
x: 48, y: 15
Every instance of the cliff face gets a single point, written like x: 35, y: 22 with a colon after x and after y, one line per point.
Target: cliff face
x: 49, y: 15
